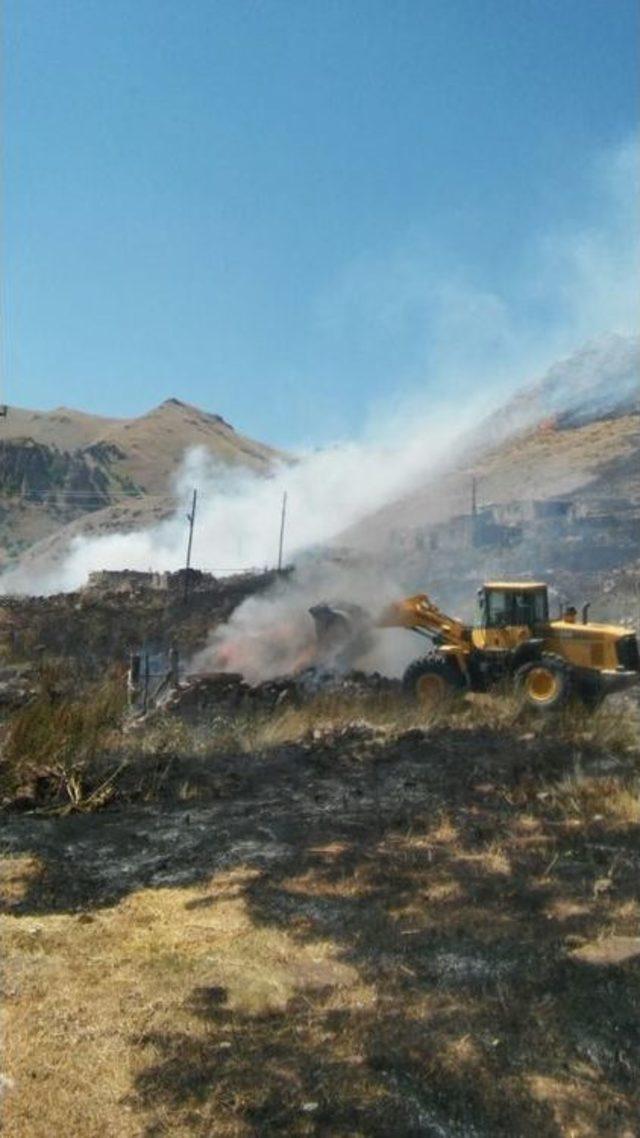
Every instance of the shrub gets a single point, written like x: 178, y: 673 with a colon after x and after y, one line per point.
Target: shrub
x: 51, y: 742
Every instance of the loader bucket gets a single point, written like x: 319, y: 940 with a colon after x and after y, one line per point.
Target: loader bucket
x: 343, y: 633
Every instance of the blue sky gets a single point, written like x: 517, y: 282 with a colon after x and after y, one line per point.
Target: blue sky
x: 294, y: 211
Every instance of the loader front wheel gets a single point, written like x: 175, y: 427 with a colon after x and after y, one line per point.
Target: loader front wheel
x: 544, y: 684
x: 432, y: 680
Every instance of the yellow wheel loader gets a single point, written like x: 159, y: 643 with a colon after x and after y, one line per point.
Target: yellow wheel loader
x: 513, y: 640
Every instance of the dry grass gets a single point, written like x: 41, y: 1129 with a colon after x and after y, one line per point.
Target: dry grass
x: 64, y: 752
x: 615, y: 727
x: 610, y: 728
x: 375, y: 924
x: 589, y: 799
x: 57, y: 738
x: 335, y: 712
x: 461, y: 958
x: 86, y: 995
x: 403, y: 983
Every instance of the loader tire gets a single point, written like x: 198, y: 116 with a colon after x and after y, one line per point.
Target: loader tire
x: 432, y: 680
x: 544, y: 684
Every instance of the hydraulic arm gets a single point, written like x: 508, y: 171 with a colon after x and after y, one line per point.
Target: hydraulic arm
x: 421, y: 614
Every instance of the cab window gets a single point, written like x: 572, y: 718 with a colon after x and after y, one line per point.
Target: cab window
x: 515, y: 608
x: 497, y: 610
x: 523, y: 608
x: 539, y: 607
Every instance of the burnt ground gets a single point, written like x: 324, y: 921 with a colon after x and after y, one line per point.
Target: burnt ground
x: 482, y: 884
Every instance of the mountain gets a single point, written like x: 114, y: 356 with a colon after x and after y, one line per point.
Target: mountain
x: 599, y: 381
x: 64, y: 467
x: 148, y: 449
x: 577, y: 429
x: 571, y: 439
x: 547, y: 487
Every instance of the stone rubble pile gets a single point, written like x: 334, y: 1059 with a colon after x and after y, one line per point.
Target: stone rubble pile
x: 226, y: 692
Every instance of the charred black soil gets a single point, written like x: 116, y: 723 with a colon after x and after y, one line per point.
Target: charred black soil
x: 455, y: 910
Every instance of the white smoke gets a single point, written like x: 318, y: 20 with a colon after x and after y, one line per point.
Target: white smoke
x: 479, y: 341
x: 273, y: 634
x: 238, y: 513
x: 568, y: 286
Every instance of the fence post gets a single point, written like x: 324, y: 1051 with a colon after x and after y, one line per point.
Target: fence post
x: 174, y: 665
x: 145, y: 697
x: 133, y: 677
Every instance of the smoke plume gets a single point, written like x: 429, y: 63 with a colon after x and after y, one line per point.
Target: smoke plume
x: 238, y: 520
x: 273, y: 634
x: 478, y: 340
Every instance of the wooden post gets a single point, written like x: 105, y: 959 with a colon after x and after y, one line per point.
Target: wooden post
x: 174, y: 665
x: 133, y: 679
x: 145, y: 696
x: 191, y: 519
x: 474, y: 511
x: 282, y: 522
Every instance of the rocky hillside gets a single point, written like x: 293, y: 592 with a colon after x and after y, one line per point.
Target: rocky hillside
x: 599, y: 381
x: 60, y: 467
x: 570, y: 440
x: 549, y: 487
x: 575, y: 430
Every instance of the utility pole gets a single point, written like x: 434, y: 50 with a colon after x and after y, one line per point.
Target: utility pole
x: 282, y: 521
x: 191, y: 519
x: 474, y: 511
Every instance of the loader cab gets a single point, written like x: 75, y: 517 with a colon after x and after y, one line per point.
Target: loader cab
x: 512, y: 604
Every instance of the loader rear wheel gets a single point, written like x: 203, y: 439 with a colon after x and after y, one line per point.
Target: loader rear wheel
x: 544, y: 684
x: 432, y: 680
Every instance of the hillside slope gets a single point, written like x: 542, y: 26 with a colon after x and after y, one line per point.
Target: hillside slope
x: 600, y: 458
x: 577, y: 430
x: 59, y: 467
x: 572, y: 438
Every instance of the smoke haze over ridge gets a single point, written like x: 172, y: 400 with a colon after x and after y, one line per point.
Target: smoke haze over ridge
x: 590, y: 277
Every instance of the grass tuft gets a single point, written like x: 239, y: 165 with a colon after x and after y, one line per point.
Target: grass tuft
x: 55, y: 740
